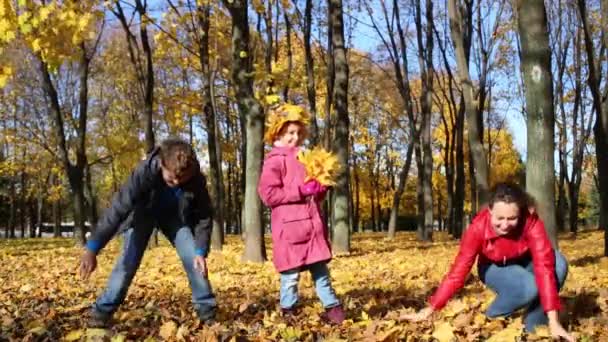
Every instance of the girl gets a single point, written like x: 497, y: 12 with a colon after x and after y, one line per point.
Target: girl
x: 516, y: 260
x: 299, y: 235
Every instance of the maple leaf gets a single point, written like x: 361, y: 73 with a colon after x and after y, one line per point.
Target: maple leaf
x: 320, y: 165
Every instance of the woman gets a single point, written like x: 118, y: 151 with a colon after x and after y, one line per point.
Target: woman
x: 516, y: 260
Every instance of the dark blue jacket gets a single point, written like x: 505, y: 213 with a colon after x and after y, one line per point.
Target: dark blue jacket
x: 143, y: 189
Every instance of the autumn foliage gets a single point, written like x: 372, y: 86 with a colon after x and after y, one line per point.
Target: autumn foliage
x: 41, y: 297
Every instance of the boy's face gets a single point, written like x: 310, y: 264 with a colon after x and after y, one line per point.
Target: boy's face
x: 173, y: 179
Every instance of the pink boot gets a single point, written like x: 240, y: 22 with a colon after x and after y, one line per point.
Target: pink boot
x: 334, y: 315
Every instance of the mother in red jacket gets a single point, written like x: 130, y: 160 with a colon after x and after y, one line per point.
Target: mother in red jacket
x: 516, y: 260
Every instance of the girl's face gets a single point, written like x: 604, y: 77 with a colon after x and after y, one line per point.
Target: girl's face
x: 504, y: 217
x: 291, y: 135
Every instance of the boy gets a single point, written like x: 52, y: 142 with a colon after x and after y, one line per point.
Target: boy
x: 168, y: 191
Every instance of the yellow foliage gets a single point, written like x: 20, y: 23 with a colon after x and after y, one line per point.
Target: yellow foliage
x: 380, y: 280
x: 321, y: 165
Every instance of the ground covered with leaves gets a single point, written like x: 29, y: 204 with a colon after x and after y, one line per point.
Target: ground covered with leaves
x: 41, y: 297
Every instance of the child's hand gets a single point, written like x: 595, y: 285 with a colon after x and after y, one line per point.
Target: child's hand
x: 88, y: 263
x: 312, y: 188
x: 200, y: 264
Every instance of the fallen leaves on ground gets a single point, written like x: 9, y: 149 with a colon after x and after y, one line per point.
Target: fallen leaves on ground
x: 41, y: 297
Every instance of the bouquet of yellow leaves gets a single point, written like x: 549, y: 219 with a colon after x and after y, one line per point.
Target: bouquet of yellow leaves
x: 321, y: 165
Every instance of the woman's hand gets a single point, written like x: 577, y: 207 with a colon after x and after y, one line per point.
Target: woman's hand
x: 421, y: 315
x: 556, y: 329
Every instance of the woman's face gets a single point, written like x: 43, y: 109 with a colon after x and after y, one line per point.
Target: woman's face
x: 505, y: 217
x: 291, y: 136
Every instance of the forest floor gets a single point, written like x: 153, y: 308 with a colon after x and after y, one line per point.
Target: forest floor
x: 42, y: 298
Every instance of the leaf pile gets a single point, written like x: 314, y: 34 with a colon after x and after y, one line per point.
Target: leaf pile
x: 41, y: 297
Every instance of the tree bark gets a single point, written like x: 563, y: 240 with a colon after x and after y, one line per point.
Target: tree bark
x: 215, y: 178
x: 311, y: 90
x: 251, y: 111
x: 536, y: 65
x: 425, y: 58
x: 340, y: 212
x: 600, y: 103
x: 460, y: 29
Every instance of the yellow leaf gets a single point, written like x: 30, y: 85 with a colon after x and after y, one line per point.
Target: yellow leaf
x: 272, y: 99
x: 507, y: 334
x: 25, y: 288
x: 36, y: 45
x: 320, y: 165
x: 96, y: 333
x: 542, y: 331
x: 168, y: 330
x: 243, y: 54
x: 444, y: 332
x: 118, y: 338
x: 74, y: 335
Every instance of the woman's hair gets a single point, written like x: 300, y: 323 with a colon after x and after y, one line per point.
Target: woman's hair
x: 511, y: 193
x: 177, y: 155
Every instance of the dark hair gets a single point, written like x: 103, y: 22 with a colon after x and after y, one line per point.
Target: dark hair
x: 177, y: 155
x: 511, y: 193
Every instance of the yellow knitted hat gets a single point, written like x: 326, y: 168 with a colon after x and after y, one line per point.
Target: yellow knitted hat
x: 279, y: 116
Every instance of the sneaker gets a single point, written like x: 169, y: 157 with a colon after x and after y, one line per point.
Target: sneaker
x: 206, y: 314
x: 99, y: 320
x: 334, y: 315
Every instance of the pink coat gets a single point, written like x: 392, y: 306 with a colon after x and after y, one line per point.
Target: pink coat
x: 299, y: 236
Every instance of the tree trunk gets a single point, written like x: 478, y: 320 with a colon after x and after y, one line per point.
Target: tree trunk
x: 215, y: 179
x: 289, y: 55
x: 420, y: 192
x: 462, y: 47
x: 311, y: 90
x: 57, y: 218
x: 600, y: 104
x: 340, y: 212
x: 392, y: 223
x: 459, y: 187
x: 75, y: 172
x: 92, y: 199
x: 536, y: 65
x: 10, y: 232
x: 425, y: 59
x: 251, y: 110
x: 22, y: 201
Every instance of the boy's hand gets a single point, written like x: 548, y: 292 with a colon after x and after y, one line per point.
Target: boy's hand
x: 200, y: 264
x: 88, y: 263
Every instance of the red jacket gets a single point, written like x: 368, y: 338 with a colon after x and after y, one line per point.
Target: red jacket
x: 480, y: 239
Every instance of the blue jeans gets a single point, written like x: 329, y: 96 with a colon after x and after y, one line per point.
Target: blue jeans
x: 515, y: 288
x: 135, y: 243
x: 320, y: 276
